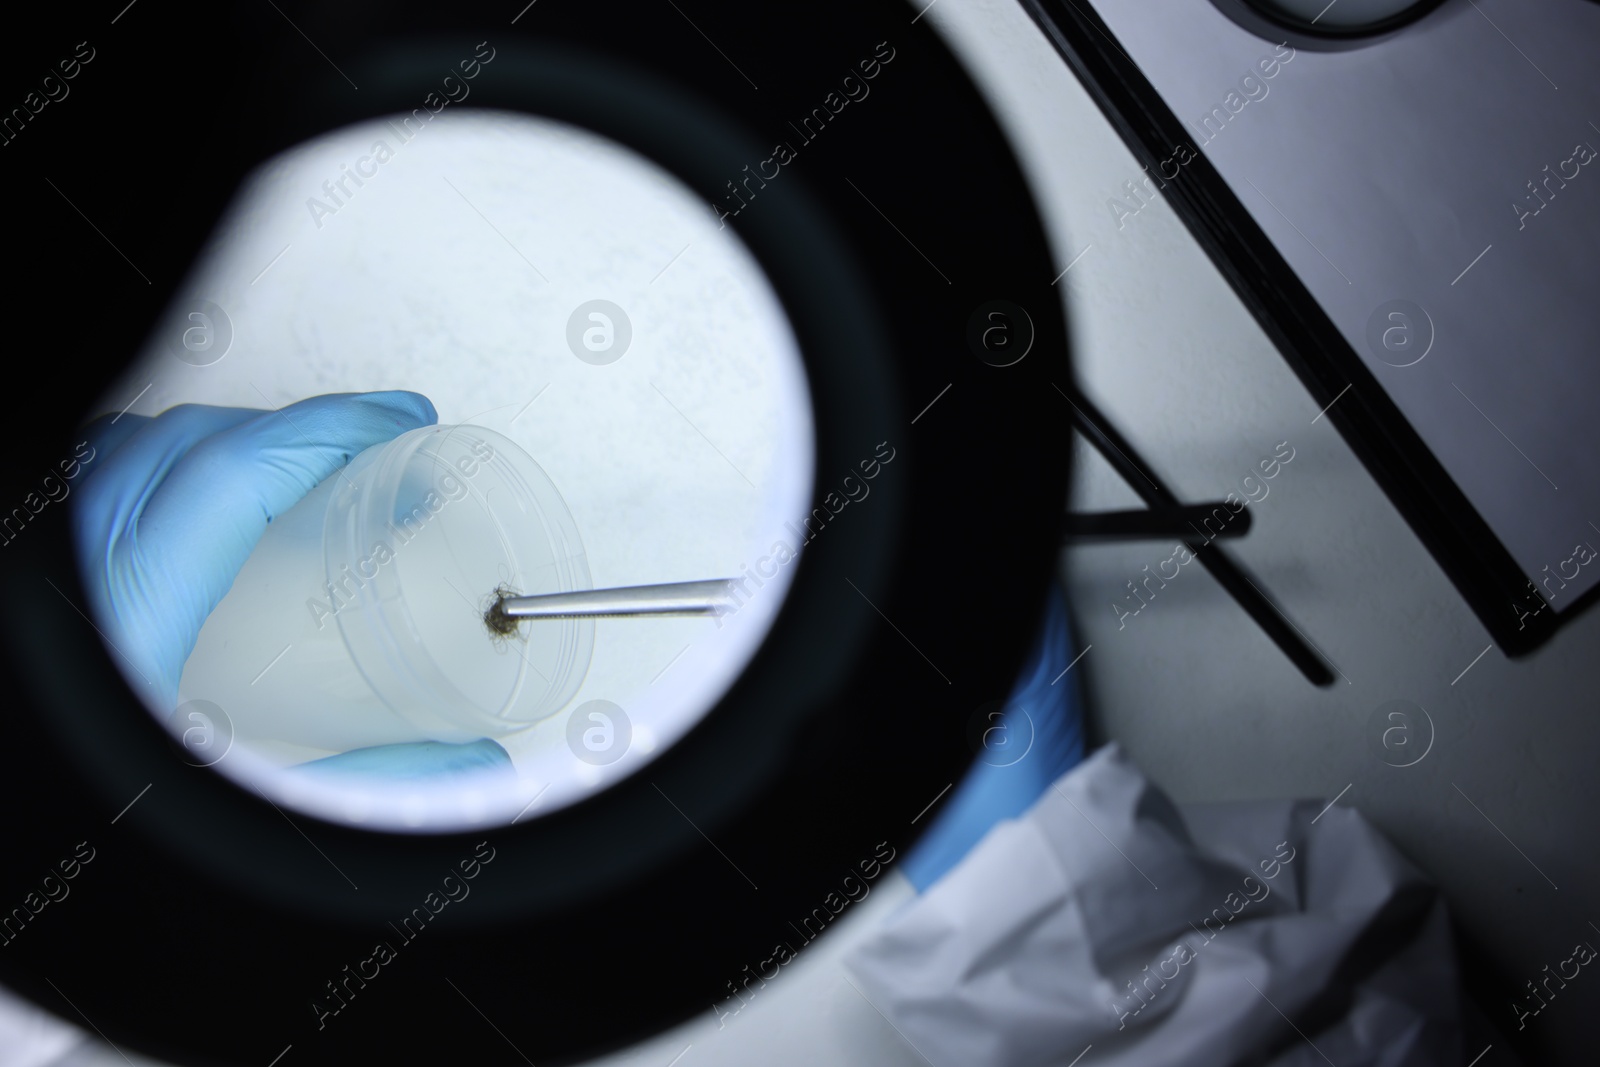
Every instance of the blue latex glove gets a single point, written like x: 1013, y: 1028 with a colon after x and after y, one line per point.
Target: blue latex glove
x: 1042, y: 710
x: 175, y: 504
x: 425, y: 759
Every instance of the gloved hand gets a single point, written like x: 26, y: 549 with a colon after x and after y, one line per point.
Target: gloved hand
x: 424, y: 759
x: 1037, y: 739
x: 175, y: 504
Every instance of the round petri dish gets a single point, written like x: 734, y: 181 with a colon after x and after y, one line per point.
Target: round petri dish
x: 445, y: 520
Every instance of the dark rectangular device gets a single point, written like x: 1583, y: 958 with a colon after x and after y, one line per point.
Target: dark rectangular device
x: 1410, y: 207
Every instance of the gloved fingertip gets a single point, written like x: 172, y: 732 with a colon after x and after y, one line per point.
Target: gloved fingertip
x: 487, y: 754
x: 436, y: 760
x: 413, y: 409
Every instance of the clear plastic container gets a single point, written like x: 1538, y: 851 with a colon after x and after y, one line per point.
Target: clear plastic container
x: 359, y: 618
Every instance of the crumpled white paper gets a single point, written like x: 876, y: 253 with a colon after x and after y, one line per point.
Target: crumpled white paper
x: 1110, y: 924
x: 30, y: 1037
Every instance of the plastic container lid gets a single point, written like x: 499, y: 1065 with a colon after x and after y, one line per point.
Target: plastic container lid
x: 428, y: 529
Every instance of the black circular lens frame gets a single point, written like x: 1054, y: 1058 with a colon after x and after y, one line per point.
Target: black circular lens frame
x: 209, y: 926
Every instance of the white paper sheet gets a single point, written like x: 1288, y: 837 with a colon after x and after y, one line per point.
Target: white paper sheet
x: 1111, y: 924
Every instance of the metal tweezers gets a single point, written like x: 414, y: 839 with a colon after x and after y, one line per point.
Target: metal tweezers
x: 710, y: 597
